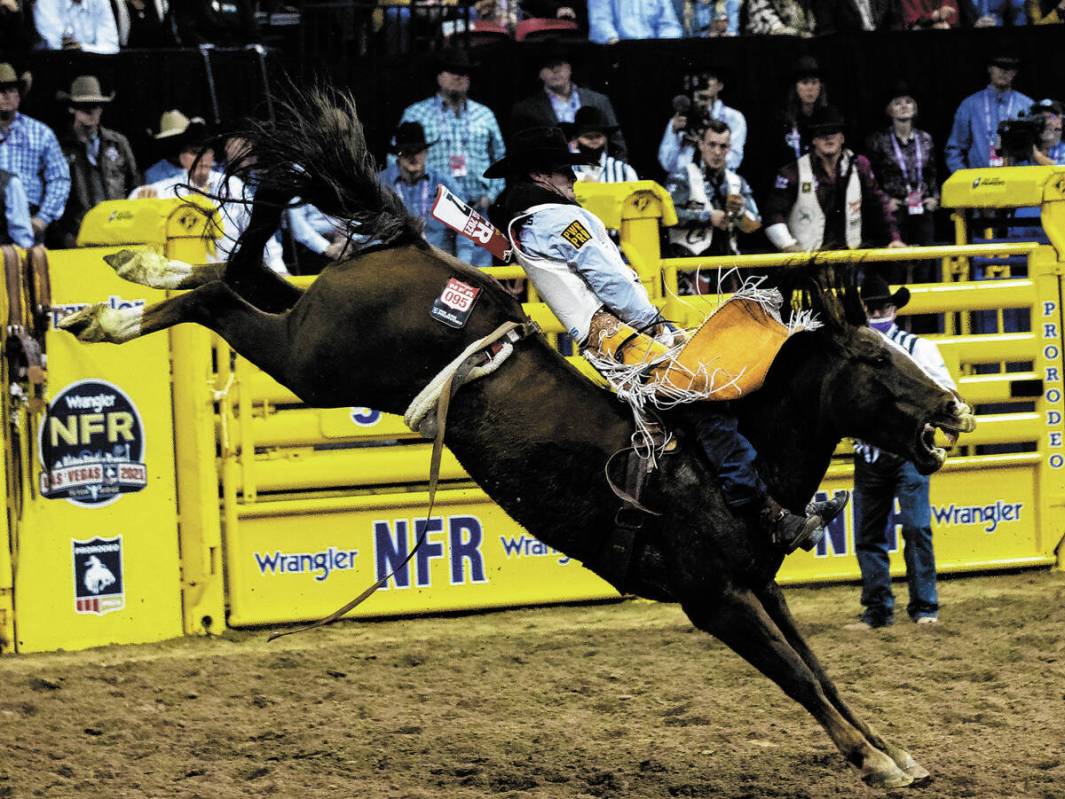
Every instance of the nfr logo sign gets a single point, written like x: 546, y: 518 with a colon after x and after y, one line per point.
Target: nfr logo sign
x: 458, y: 541
x: 91, y: 445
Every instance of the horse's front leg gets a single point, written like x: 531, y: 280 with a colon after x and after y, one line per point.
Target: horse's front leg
x: 740, y: 621
x: 773, y: 601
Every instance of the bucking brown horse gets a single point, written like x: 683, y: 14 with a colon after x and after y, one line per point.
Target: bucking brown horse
x: 536, y: 434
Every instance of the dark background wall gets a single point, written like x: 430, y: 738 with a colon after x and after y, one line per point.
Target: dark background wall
x: 640, y: 77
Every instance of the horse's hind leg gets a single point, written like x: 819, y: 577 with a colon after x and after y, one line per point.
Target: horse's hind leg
x: 773, y: 601
x: 260, y: 337
x: 150, y: 268
x: 740, y: 621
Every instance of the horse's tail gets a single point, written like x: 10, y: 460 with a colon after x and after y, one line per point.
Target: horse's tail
x: 316, y: 150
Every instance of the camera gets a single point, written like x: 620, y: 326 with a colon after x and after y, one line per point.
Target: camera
x: 1017, y: 137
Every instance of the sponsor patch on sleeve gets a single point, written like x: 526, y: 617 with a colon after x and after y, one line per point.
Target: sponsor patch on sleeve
x: 577, y: 234
x: 454, y: 306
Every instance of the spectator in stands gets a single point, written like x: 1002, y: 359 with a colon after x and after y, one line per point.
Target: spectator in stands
x: 102, y: 166
x: 196, y: 156
x: 880, y: 478
x: 611, y: 21
x: 904, y: 162
x: 561, y: 98
x: 319, y: 238
x: 144, y: 23
x: 87, y: 25
x: 684, y: 131
x: 1049, y: 150
x: 834, y: 16
x: 703, y: 19
x: 996, y: 13
x: 938, y: 14
x: 1046, y: 12
x: 828, y: 199
x: 806, y: 95
x: 974, y: 140
x: 16, y: 29
x: 467, y: 140
x: 780, y: 18
x: 29, y: 149
x: 416, y: 185
x: 713, y: 203
x: 174, y: 127
x: 588, y: 135
x: 15, y: 225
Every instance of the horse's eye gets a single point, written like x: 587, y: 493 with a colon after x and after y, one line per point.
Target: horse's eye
x: 882, y: 359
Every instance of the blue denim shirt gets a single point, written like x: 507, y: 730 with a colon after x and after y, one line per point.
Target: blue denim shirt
x: 971, y: 136
x: 17, y: 213
x: 632, y: 19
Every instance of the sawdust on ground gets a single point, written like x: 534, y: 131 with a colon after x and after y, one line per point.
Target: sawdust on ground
x: 614, y: 700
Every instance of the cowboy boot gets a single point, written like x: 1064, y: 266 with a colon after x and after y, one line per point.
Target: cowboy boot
x: 789, y: 531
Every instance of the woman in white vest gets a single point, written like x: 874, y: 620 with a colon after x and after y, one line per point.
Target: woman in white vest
x: 829, y: 199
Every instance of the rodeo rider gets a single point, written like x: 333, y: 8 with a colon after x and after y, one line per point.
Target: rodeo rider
x: 580, y: 274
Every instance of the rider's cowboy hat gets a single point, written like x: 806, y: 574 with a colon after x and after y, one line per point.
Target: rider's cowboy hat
x: 825, y: 121
x: 85, y: 89
x: 409, y: 139
x: 876, y: 292
x: 9, y: 79
x: 534, y: 150
x: 587, y: 120
x: 173, y: 124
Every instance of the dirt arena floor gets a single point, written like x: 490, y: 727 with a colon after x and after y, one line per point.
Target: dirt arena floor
x: 615, y: 700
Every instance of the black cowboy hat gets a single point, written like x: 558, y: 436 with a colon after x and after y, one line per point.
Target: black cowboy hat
x: 409, y: 139
x: 1004, y: 56
x: 454, y: 60
x: 825, y: 120
x: 551, y: 53
x: 535, y: 149
x: 876, y: 292
x: 588, y: 119
x: 899, y: 88
x: 806, y: 67
x: 697, y: 79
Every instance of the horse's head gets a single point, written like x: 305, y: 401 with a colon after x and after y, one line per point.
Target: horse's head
x: 869, y: 388
x: 878, y: 393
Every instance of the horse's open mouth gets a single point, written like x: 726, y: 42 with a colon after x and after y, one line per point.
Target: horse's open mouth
x: 961, y: 420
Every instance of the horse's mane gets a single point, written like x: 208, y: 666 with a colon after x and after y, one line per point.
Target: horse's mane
x: 831, y: 292
x: 316, y: 150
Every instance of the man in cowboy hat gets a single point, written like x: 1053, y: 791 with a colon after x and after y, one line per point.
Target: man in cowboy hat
x: 588, y: 134
x: 416, y: 185
x: 561, y: 98
x: 467, y: 139
x: 29, y: 149
x: 828, y: 199
x: 175, y: 129
x: 700, y: 102
x: 974, y: 141
x: 102, y: 166
x: 579, y: 272
x: 880, y: 478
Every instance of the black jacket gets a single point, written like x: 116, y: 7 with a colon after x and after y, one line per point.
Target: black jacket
x: 536, y: 111
x: 842, y: 15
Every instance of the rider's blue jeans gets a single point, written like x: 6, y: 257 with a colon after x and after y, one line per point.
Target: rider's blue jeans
x: 731, y: 455
x: 876, y: 485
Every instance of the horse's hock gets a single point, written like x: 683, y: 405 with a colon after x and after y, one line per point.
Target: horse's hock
x: 171, y: 486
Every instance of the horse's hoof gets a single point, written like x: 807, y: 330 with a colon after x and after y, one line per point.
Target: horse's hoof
x: 918, y: 773
x: 149, y: 268
x: 102, y: 323
x: 887, y: 779
x: 904, y: 760
x: 117, y: 260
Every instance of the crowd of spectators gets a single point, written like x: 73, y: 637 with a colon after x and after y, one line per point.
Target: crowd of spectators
x: 835, y: 187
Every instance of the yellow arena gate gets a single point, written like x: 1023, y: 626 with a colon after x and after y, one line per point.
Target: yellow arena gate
x: 256, y: 509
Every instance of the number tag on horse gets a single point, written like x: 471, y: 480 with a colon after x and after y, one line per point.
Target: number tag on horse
x: 455, y: 305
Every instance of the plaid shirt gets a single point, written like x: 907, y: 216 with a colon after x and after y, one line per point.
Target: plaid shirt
x: 31, y: 151
x: 472, y: 135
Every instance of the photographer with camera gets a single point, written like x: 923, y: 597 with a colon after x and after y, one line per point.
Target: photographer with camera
x: 691, y: 112
x: 1048, y: 149
x: 974, y: 139
x: 713, y: 204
